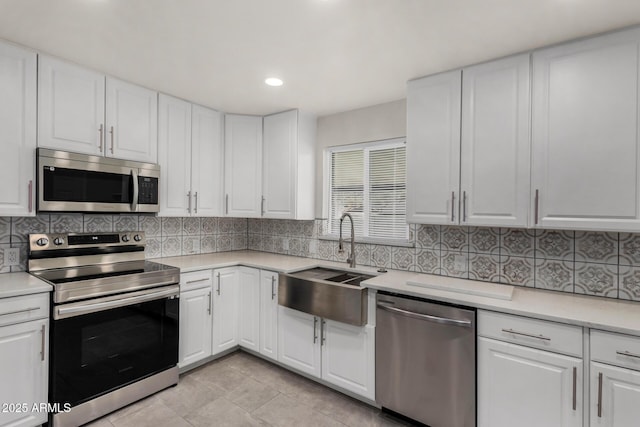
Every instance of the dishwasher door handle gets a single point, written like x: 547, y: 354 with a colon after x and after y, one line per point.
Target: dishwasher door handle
x: 427, y: 317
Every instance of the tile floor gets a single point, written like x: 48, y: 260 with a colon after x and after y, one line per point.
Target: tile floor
x: 243, y: 390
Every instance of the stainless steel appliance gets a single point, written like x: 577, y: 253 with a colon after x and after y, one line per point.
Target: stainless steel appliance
x: 114, y: 321
x: 426, y: 360
x: 71, y: 182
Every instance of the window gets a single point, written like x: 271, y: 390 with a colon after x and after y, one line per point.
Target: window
x: 369, y: 182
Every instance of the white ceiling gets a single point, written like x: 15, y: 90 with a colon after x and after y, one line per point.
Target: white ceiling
x: 334, y: 55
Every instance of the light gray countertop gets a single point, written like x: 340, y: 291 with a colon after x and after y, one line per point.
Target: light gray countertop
x: 592, y: 312
x: 16, y: 284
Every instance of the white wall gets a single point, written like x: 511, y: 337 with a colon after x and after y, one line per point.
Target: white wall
x: 383, y: 121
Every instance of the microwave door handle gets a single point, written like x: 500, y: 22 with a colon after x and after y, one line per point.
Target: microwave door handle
x: 134, y: 203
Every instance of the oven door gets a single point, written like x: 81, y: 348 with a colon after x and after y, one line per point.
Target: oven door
x: 103, y: 344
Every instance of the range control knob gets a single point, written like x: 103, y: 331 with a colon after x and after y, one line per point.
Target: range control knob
x: 58, y: 241
x: 137, y: 238
x: 43, y: 241
x: 125, y: 238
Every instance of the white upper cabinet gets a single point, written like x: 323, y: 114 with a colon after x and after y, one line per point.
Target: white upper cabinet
x: 243, y: 165
x: 18, y: 135
x: 207, y: 161
x: 288, y: 166
x: 174, y: 155
x: 494, y: 162
x: 585, y: 134
x: 433, y: 148
x: 71, y: 102
x: 132, y: 121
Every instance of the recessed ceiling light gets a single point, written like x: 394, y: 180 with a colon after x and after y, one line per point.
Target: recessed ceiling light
x: 273, y: 81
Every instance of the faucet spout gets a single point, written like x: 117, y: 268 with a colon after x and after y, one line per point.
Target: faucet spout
x: 351, y: 259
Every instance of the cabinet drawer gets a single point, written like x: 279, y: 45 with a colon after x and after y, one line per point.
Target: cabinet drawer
x: 615, y: 349
x: 196, y: 280
x: 24, y: 308
x: 534, y: 333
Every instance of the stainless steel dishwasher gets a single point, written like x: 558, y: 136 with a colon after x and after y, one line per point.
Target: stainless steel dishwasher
x: 426, y: 360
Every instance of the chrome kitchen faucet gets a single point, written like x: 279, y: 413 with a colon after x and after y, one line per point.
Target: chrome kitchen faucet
x: 351, y: 258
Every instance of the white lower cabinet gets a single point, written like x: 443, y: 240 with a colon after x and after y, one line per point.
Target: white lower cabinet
x: 225, y: 309
x: 249, y: 303
x: 269, y: 314
x: 24, y: 364
x: 615, y: 396
x: 341, y: 354
x: 195, y: 326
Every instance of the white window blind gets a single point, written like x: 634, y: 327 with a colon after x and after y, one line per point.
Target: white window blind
x: 370, y: 183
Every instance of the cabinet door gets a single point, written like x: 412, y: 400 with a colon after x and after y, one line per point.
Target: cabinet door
x: 494, y: 162
x: 70, y: 107
x: 225, y: 309
x: 132, y: 122
x: 195, y: 325
x: 526, y: 387
x: 615, y: 396
x: 24, y: 365
x: 279, y: 157
x: 18, y: 135
x: 269, y: 314
x: 298, y: 341
x: 207, y: 161
x: 174, y: 155
x: 249, y: 315
x: 585, y: 134
x: 243, y: 165
x: 433, y: 149
x: 348, y: 357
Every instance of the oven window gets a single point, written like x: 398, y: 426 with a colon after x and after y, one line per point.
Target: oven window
x: 96, y: 353
x: 75, y: 185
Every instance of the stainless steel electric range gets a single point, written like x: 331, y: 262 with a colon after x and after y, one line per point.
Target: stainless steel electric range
x: 114, y: 321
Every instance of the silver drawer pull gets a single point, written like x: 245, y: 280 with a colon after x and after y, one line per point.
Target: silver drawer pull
x: 26, y: 310
x: 524, y: 334
x: 628, y: 354
x: 427, y: 317
x: 198, y: 281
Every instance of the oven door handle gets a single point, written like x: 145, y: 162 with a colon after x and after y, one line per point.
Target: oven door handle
x: 134, y: 203
x: 101, y: 304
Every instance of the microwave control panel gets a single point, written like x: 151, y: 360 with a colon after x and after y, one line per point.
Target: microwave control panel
x: 147, y: 190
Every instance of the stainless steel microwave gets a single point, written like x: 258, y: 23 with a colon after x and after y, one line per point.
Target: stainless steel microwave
x: 72, y: 182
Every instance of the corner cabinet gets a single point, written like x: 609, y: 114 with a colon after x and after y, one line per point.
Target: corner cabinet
x: 586, y: 160
x: 84, y: 111
x: 18, y: 135
x: 243, y: 166
x: 269, y: 314
x: 249, y: 312
x: 225, y: 309
x: 288, y: 166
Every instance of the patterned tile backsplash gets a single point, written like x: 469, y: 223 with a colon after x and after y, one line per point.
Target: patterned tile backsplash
x: 591, y: 263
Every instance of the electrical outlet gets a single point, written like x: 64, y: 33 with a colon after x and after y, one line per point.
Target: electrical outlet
x: 460, y: 262
x: 313, y: 247
x: 285, y: 244
x: 11, y: 257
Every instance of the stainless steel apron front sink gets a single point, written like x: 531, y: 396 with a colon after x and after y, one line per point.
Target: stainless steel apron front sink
x: 329, y: 293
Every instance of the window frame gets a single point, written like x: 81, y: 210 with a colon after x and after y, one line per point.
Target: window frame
x: 326, y: 183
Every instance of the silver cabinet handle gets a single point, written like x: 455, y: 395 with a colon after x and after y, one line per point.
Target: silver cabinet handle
x: 111, y: 132
x: 197, y: 281
x: 101, y: 131
x: 323, y: 332
x: 575, y: 387
x: 524, y: 334
x: 600, y: 395
x: 218, y: 290
x: 42, y: 337
x: 30, y: 196
x: 262, y: 207
x: 315, y: 324
x: 427, y: 317
x: 273, y: 287
x: 20, y: 311
x: 189, y: 201
x: 134, y: 203
x: 464, y: 206
x: 453, y: 198
x: 536, y: 203
x: 226, y: 204
x: 209, y: 309
x: 628, y: 354
x: 196, y: 208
